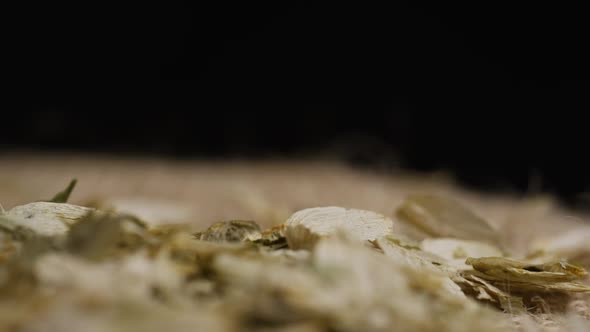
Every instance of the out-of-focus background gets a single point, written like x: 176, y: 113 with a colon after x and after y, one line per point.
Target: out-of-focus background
x: 484, y: 93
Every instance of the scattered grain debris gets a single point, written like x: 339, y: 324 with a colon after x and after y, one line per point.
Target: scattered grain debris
x: 70, y: 268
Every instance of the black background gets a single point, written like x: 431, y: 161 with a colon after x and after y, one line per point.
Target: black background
x: 495, y: 92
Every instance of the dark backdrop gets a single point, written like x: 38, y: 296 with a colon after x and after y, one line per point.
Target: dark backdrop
x: 494, y: 92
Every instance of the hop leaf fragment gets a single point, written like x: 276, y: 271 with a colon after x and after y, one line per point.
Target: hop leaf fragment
x: 484, y: 290
x: 63, y: 196
x: 230, y: 231
x: 522, y: 276
x: 513, y: 270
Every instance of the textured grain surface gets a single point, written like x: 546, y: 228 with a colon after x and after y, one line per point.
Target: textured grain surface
x: 201, y: 193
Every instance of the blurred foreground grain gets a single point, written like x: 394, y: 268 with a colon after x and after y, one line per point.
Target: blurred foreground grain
x: 200, y: 193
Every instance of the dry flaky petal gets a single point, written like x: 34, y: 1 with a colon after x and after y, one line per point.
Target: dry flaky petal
x: 324, y: 221
x: 484, y: 290
x: 67, y: 213
x: 44, y: 218
x: 511, y: 283
x: 537, y: 286
x: 513, y: 270
x: 445, y: 217
x: 39, y: 226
